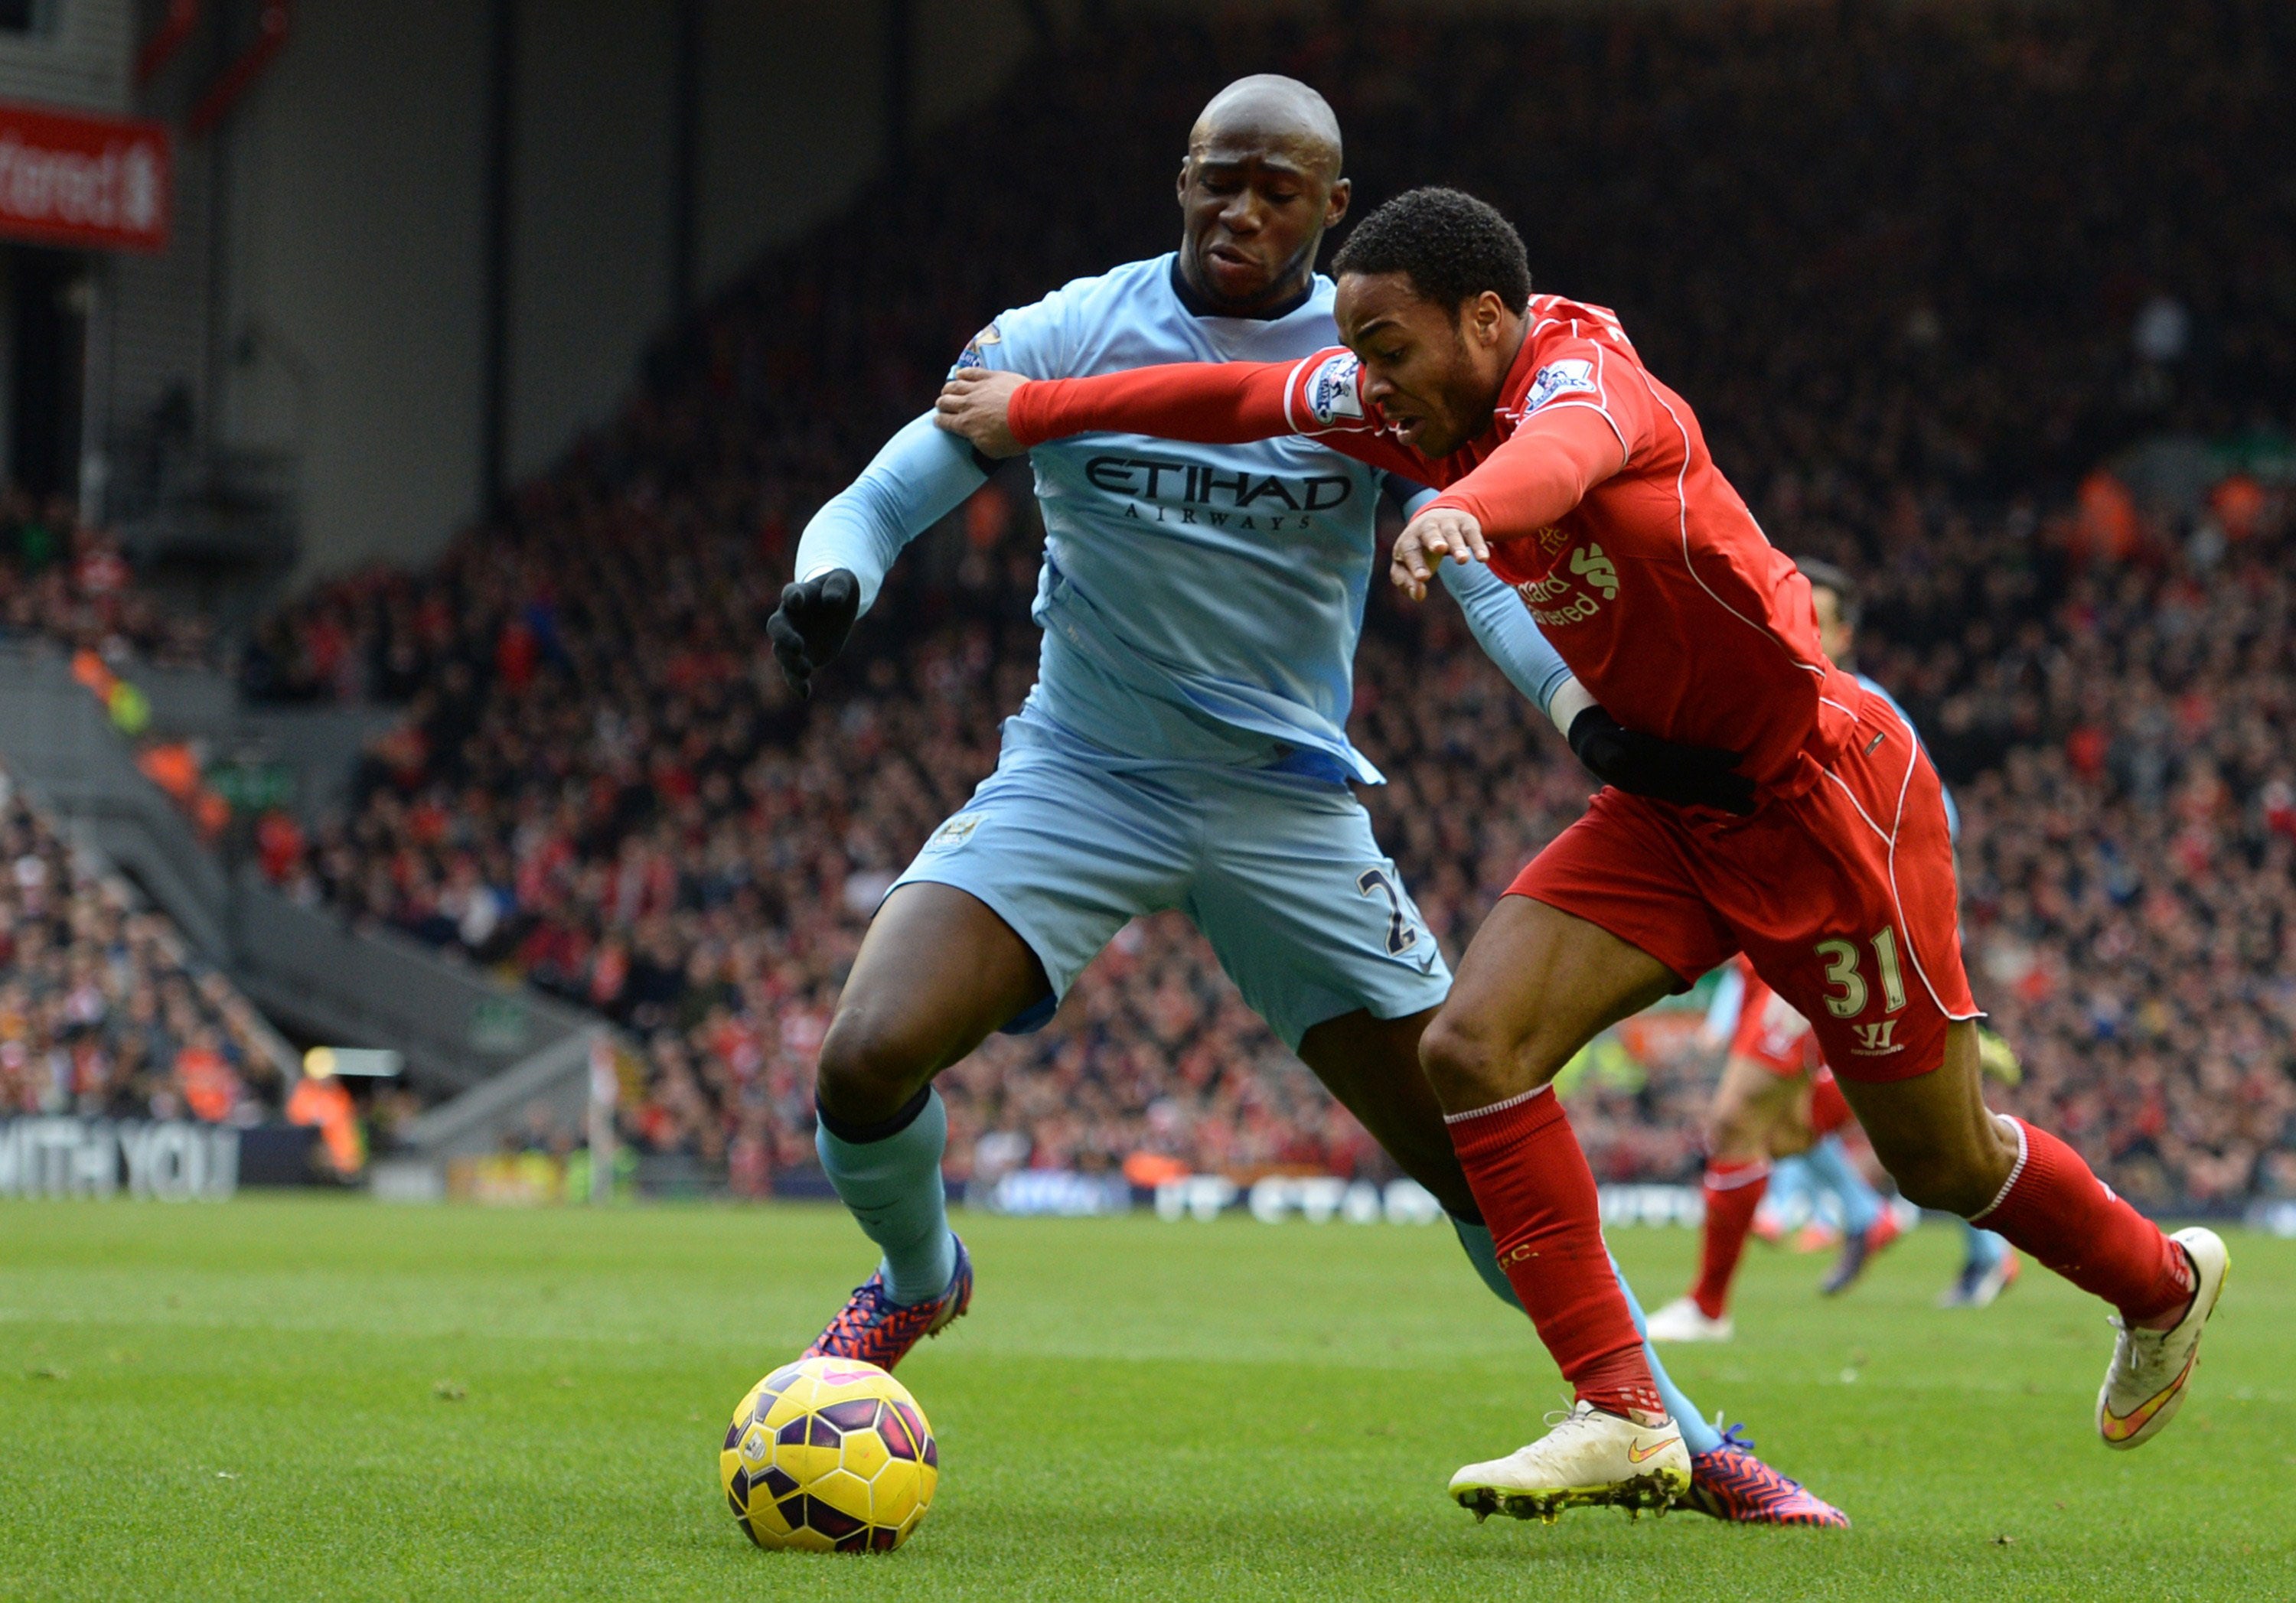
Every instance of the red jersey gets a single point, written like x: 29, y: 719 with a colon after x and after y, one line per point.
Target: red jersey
x: 1650, y: 576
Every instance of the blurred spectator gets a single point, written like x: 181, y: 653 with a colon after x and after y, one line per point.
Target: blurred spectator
x: 61, y: 579
x: 102, y: 1011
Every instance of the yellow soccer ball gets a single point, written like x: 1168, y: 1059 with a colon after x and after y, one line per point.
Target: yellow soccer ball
x: 829, y: 1455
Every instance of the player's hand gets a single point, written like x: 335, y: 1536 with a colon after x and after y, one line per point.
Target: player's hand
x: 810, y: 626
x: 1644, y: 765
x: 974, y: 403
x: 1435, y: 534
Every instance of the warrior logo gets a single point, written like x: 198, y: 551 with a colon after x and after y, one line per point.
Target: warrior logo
x: 1873, y: 1040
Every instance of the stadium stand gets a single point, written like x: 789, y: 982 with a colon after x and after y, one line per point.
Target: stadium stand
x: 601, y: 782
x: 63, y: 579
x: 102, y: 1012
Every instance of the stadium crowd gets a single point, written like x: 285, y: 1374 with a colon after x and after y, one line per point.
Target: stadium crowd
x: 103, y: 1012
x: 1908, y: 351
x: 65, y: 579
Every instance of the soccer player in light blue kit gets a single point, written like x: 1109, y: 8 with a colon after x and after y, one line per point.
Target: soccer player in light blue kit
x: 1185, y: 745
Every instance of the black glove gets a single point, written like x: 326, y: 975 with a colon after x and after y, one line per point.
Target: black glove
x: 1644, y: 765
x: 810, y: 626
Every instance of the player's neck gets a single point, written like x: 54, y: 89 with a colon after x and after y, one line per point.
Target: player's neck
x: 1512, y: 336
x: 1511, y: 342
x: 1200, y: 305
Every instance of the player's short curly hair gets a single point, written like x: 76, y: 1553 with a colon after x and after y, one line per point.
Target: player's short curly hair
x: 1452, y: 246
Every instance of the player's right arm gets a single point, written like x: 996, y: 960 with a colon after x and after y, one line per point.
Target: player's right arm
x: 919, y: 477
x: 1208, y: 403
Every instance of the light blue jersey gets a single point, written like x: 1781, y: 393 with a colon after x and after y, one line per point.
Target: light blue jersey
x: 1200, y: 603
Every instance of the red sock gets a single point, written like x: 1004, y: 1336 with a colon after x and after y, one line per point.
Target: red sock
x: 1534, y: 1190
x: 2065, y: 1217
x: 1734, y: 1191
x: 1829, y: 1110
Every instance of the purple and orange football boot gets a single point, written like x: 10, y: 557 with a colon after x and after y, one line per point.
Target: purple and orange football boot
x: 1731, y: 1483
x: 874, y: 1329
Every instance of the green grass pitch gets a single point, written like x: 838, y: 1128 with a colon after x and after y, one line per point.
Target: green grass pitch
x: 327, y: 1398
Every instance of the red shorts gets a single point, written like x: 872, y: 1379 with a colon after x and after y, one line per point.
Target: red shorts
x: 1842, y: 897
x: 1770, y: 1033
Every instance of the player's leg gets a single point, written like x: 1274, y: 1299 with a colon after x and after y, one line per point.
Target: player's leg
x: 1005, y: 905
x: 1372, y: 1066
x: 1310, y: 929
x: 1752, y: 1099
x: 1988, y: 1269
x: 1988, y: 1266
x: 937, y: 973
x: 1315, y: 928
x: 1857, y: 929
x: 1947, y: 1151
x: 1786, y: 1201
x: 1867, y: 1223
x: 1726, y: 1480
x: 1536, y: 983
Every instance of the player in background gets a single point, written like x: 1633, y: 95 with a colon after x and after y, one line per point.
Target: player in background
x: 1586, y: 484
x: 1990, y: 1265
x: 1185, y: 745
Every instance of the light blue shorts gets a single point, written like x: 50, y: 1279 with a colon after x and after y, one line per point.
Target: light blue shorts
x: 1281, y: 873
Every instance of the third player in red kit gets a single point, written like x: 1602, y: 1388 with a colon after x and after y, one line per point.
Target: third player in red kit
x: 1586, y: 484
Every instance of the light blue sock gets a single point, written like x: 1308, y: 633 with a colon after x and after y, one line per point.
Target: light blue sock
x: 1981, y: 1248
x: 1697, y: 1435
x: 1698, y: 1432
x: 1861, y: 1205
x: 1788, y: 1192
x: 894, y: 1188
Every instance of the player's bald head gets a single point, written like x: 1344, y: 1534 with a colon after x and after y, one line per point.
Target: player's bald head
x: 1260, y: 186
x: 1272, y: 114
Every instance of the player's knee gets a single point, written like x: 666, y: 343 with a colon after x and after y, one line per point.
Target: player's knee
x: 869, y: 1066
x: 1472, y: 1066
x: 1732, y: 1132
x: 1944, y: 1182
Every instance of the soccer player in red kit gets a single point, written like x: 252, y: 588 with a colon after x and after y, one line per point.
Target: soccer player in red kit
x: 1586, y: 484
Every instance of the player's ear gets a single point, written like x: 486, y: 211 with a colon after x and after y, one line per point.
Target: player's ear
x: 1180, y: 184
x: 1485, y: 315
x: 1335, y: 204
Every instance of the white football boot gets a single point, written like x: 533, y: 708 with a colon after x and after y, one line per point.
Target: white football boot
x: 1683, y: 1320
x: 2145, y: 1384
x: 1590, y: 1458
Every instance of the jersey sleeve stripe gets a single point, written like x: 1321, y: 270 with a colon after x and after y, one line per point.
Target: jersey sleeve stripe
x: 1291, y: 387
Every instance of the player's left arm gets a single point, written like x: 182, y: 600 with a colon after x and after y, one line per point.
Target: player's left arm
x: 1499, y: 621
x: 1503, y: 627
x: 1531, y: 480
x: 1640, y: 764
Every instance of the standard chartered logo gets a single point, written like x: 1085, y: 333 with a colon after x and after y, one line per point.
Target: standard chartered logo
x: 1590, y: 564
x: 1555, y: 601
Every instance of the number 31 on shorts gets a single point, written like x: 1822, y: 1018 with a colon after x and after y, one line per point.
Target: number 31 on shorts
x: 1842, y: 958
